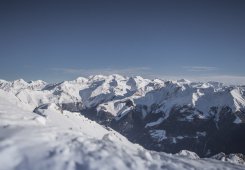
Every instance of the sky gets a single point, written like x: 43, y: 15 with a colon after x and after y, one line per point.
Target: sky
x: 51, y: 40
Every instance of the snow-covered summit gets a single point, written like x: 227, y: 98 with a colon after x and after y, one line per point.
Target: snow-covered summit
x: 20, y: 84
x: 100, y: 89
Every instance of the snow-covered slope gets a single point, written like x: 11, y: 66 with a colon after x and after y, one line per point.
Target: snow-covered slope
x: 57, y: 139
x: 201, y: 96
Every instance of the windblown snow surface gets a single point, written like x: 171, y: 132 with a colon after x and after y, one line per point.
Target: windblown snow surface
x: 57, y: 139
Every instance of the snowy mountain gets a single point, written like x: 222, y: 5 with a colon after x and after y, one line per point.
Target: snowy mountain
x: 207, y: 118
x: 67, y: 140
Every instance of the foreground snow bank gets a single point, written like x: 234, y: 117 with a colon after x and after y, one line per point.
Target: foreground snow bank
x: 64, y: 140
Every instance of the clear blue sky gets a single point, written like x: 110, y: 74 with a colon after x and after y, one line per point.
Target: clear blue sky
x: 56, y: 40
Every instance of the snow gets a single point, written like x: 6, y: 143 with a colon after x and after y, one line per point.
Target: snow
x: 158, y: 135
x: 194, y: 95
x: 188, y: 154
x: 180, y: 137
x: 232, y: 158
x: 237, y: 120
x: 115, y: 107
x: 123, y: 112
x: 159, y: 121
x: 201, y: 133
x: 63, y: 140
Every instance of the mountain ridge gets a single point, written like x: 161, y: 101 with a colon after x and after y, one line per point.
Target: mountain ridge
x: 167, y: 114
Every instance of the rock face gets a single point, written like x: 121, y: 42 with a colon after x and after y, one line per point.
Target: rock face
x: 206, y: 118
x: 203, y: 136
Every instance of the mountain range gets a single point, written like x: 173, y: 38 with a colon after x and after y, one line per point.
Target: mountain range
x: 190, y: 119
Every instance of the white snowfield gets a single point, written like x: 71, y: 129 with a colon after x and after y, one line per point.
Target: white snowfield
x: 62, y: 140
